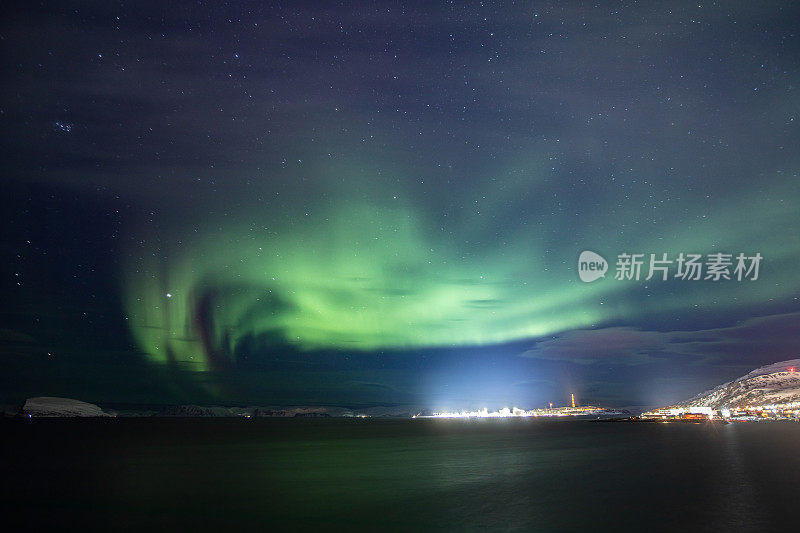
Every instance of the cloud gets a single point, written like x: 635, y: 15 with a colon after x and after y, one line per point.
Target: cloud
x: 759, y: 340
x: 586, y: 346
x: 754, y: 341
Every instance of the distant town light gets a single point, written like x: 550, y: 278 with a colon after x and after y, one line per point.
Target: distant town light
x: 506, y: 412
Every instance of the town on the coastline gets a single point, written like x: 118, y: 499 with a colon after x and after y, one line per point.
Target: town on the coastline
x: 779, y: 411
x: 506, y: 412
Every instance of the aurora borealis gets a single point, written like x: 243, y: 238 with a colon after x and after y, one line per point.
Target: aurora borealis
x: 386, y: 204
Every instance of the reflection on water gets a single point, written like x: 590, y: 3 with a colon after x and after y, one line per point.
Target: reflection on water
x: 736, y: 495
x: 455, y: 475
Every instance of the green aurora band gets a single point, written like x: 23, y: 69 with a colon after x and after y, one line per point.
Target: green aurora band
x: 356, y: 264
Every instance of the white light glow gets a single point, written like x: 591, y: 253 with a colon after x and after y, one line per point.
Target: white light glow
x: 513, y: 412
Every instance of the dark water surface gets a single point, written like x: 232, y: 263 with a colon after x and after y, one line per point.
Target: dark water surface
x: 417, y: 475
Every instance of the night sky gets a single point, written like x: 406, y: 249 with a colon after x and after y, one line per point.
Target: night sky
x: 380, y: 203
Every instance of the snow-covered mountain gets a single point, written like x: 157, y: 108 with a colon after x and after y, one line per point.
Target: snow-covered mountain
x: 772, y: 384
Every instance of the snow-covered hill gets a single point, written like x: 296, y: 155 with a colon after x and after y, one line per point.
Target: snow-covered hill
x: 49, y: 406
x: 772, y: 384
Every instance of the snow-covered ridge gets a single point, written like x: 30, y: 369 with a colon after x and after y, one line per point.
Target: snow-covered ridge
x: 777, y: 383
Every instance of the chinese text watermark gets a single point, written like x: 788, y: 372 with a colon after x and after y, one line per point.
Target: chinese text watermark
x: 685, y: 266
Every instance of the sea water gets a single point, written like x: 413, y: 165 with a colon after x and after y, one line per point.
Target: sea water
x: 389, y: 474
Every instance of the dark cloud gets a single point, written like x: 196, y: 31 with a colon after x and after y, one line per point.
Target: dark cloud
x: 622, y: 345
x: 754, y: 341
